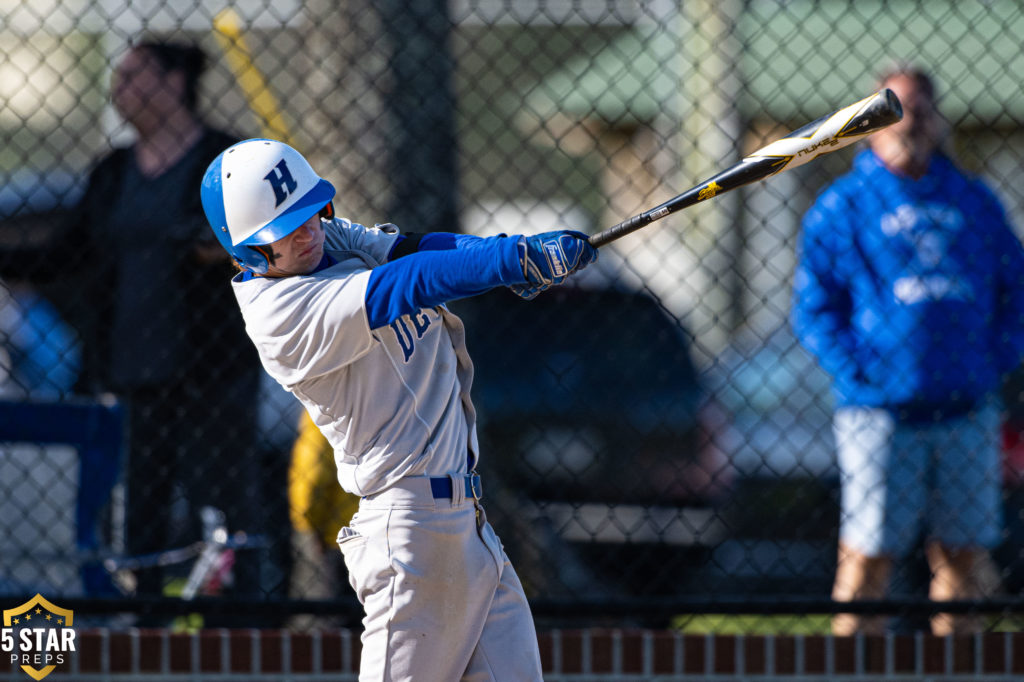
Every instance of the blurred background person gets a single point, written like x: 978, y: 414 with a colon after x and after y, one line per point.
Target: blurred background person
x: 909, y: 289
x: 162, y: 332
x: 169, y: 340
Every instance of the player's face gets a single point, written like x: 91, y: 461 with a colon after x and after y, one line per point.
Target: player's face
x: 299, y: 252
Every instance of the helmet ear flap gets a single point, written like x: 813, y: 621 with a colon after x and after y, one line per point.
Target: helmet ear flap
x: 327, y: 212
x: 268, y: 256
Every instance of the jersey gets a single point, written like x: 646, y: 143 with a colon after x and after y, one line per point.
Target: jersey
x: 392, y: 401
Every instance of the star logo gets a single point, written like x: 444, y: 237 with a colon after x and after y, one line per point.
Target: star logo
x: 38, y: 647
x: 710, y: 191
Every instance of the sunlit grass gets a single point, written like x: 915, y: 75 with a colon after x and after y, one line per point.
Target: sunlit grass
x: 815, y: 624
x: 744, y: 624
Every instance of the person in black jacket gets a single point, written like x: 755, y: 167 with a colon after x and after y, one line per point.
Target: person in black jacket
x: 165, y: 335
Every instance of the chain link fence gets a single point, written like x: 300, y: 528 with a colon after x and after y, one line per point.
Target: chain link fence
x: 653, y: 433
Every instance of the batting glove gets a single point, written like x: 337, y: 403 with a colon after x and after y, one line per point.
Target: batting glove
x: 549, y: 258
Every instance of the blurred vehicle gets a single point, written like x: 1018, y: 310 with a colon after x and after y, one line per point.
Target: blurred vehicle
x: 31, y: 201
x: 589, y: 421
x: 33, y: 205
x: 1009, y: 555
x: 780, y: 407
x: 776, y: 430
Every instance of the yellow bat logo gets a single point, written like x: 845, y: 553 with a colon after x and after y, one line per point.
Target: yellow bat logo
x: 710, y: 191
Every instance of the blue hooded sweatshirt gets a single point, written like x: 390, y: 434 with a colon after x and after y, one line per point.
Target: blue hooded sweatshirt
x: 910, y: 292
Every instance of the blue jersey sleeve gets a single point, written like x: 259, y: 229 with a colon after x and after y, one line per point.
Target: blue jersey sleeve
x: 445, y: 241
x: 433, y: 241
x: 445, y: 268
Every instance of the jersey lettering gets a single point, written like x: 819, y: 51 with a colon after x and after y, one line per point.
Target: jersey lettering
x: 404, y: 337
x: 420, y: 323
x: 281, y: 181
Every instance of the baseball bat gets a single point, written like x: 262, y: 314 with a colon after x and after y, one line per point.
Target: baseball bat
x: 827, y: 134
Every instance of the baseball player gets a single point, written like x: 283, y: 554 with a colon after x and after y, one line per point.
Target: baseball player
x: 352, y: 320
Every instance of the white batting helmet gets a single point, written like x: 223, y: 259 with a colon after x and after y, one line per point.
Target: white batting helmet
x: 258, y: 191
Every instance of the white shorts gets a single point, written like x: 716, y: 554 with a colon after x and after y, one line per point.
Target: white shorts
x: 899, y: 479
x: 442, y: 601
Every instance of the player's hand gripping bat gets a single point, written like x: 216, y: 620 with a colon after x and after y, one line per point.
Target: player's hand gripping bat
x: 836, y: 130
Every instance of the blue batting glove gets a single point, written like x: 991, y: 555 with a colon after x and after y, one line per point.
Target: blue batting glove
x: 549, y: 258
x: 524, y: 291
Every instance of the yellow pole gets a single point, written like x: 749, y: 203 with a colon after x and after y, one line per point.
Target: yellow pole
x: 227, y: 26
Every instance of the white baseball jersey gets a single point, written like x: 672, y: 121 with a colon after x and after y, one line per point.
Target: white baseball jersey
x: 392, y: 401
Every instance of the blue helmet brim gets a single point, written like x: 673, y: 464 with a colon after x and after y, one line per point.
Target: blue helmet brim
x: 294, y: 216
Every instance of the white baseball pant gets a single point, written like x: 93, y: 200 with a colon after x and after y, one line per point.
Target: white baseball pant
x: 441, y: 599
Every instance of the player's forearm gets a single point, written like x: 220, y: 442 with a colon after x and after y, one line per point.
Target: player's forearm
x: 431, y: 277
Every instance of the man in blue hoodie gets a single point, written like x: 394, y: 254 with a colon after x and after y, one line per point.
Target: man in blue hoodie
x: 910, y: 292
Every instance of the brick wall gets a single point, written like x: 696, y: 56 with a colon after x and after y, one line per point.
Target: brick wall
x: 568, y: 655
